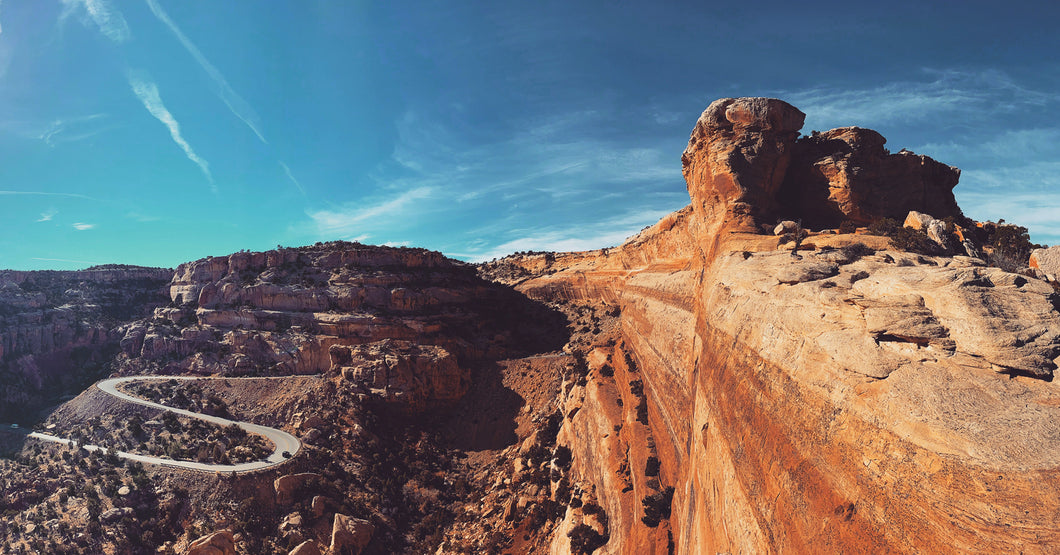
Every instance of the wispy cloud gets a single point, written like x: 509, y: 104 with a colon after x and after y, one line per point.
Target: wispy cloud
x: 73, y: 129
x: 547, y: 170
x: 83, y: 226
x: 573, y: 237
x: 564, y: 157
x: 239, y: 107
x: 942, y: 95
x: 350, y: 220
x: 1006, y: 147
x: 141, y: 217
x: 47, y: 215
x: 291, y: 176
x: 46, y: 194
x: 109, y: 19
x: 147, y: 92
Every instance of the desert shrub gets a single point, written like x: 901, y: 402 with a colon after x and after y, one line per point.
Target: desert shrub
x: 855, y: 251
x: 591, y: 508
x: 847, y: 227
x: 858, y: 277
x: 642, y: 411
x: 657, y: 506
x: 563, y: 492
x: 651, y: 467
x: 562, y: 457
x: 904, y: 238
x: 607, y: 371
x: 584, y: 539
x: 1009, y: 245
x: 884, y: 227
x: 631, y: 363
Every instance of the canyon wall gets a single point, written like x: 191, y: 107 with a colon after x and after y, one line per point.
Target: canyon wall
x: 847, y: 398
x: 57, y: 328
x: 406, y: 324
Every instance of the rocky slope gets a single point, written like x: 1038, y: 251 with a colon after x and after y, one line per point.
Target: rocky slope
x: 375, y: 350
x: 848, y: 398
x: 407, y: 324
x: 57, y: 329
x: 710, y: 386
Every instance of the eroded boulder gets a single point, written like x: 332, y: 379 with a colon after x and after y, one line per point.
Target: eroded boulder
x: 1047, y: 261
x: 846, y: 174
x: 308, y: 547
x: 221, y: 542
x: 287, y: 486
x: 349, y: 536
x: 737, y: 157
x: 416, y: 377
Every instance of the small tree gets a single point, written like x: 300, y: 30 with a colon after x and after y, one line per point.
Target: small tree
x: 584, y: 539
x: 657, y: 506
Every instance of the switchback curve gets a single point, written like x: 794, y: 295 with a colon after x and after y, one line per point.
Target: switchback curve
x: 283, y: 441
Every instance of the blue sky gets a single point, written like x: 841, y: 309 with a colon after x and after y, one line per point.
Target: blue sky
x: 159, y: 131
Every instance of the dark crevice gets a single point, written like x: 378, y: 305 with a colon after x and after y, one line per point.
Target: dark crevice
x: 889, y: 338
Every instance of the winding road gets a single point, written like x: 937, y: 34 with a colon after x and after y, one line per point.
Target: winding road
x: 284, y: 442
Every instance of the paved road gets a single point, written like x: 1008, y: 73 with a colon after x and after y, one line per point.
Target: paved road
x: 281, y: 439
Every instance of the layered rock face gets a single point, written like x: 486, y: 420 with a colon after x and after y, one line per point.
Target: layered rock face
x: 57, y: 329
x: 1047, y: 262
x: 407, y: 324
x: 851, y: 398
x: 847, y: 175
x: 746, y: 166
x: 737, y: 157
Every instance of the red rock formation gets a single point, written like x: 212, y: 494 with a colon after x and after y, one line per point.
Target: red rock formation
x: 846, y: 175
x: 745, y: 166
x: 414, y: 377
x: 405, y: 324
x: 846, y: 400
x: 737, y: 157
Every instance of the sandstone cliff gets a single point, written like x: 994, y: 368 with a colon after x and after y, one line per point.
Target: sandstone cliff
x: 57, y: 328
x: 407, y: 324
x: 707, y: 387
x: 850, y: 398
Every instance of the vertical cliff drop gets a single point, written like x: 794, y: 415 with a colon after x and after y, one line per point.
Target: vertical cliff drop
x: 854, y: 398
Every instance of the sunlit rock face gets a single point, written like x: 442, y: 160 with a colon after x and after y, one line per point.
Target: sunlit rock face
x: 848, y: 399
x: 746, y: 165
x: 846, y: 174
x: 737, y: 157
x: 406, y: 324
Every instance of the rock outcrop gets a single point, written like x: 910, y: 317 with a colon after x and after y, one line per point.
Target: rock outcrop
x: 1047, y: 262
x: 746, y: 166
x: 405, y: 323
x: 411, y: 376
x: 847, y: 175
x: 221, y: 542
x: 737, y: 157
x: 850, y: 398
